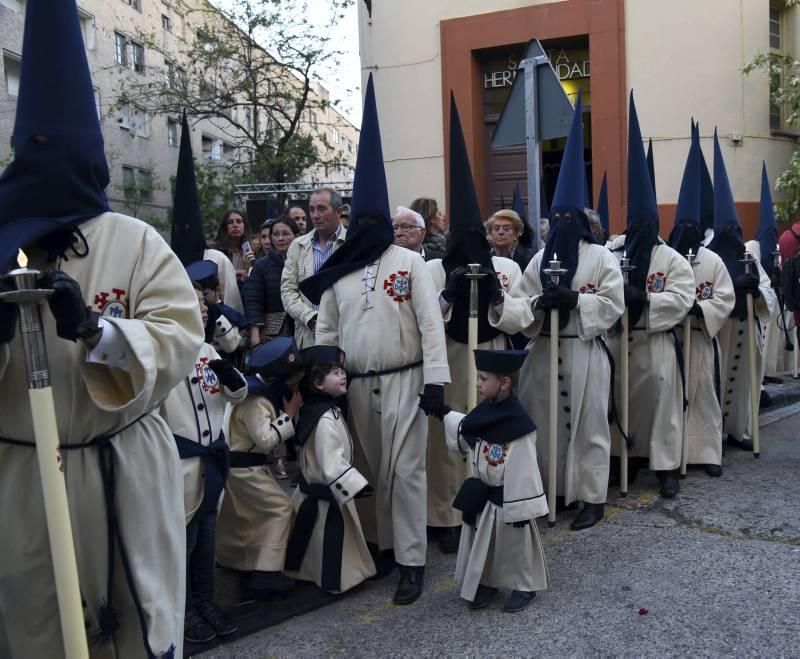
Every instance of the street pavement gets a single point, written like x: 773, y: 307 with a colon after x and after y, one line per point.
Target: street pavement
x: 716, y: 571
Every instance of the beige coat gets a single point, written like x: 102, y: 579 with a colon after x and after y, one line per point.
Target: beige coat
x: 228, y: 286
x: 446, y: 470
x: 584, y: 372
x: 158, y: 317
x: 387, y: 316
x: 774, y: 338
x: 195, y: 409
x: 255, y: 517
x: 494, y: 553
x: 299, y: 265
x: 326, y: 458
x: 714, y: 293
x: 655, y: 389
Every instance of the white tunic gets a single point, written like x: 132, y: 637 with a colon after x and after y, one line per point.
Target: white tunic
x: 326, y: 458
x: 255, y: 517
x: 655, y: 389
x: 714, y: 293
x: 195, y: 409
x: 159, y: 318
x: 584, y: 371
x: 774, y: 338
x: 387, y: 316
x: 228, y: 287
x: 494, y: 553
x: 446, y: 470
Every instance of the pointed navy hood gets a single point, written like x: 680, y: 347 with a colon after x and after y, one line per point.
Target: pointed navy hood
x: 526, y: 237
x: 706, y: 187
x: 686, y: 232
x: 602, y: 204
x: 767, y: 235
x: 187, y: 239
x: 59, y: 172
x: 466, y: 242
x: 568, y: 222
x: 728, y: 241
x: 369, y: 233
x: 641, y: 234
x: 651, y: 167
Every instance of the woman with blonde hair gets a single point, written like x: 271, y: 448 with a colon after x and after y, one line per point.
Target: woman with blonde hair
x: 504, y: 229
x: 435, y: 225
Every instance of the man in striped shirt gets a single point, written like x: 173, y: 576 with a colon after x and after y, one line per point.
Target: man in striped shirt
x: 306, y: 256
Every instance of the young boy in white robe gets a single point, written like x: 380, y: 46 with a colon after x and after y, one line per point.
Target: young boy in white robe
x: 255, y: 517
x: 500, y: 544
x: 327, y: 544
x: 195, y: 412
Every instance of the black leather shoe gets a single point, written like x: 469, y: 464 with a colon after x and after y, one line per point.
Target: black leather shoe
x: 384, y: 561
x: 196, y: 629
x: 670, y: 486
x: 744, y: 445
x: 217, y: 618
x: 518, y: 600
x: 715, y: 471
x: 561, y: 506
x: 765, y: 401
x: 449, y: 539
x: 483, y: 596
x: 410, y: 587
x: 588, y: 517
x: 269, y: 582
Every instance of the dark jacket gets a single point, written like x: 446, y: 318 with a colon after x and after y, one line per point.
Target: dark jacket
x: 261, y: 293
x: 432, y: 253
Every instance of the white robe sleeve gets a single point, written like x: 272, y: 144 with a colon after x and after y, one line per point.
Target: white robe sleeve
x: 424, y: 298
x: 264, y: 428
x: 436, y: 270
x: 669, y: 307
x: 523, y: 492
x: 327, y: 332
x: 598, y: 311
x: 452, y: 436
x: 764, y: 306
x: 163, y: 334
x: 717, y: 309
x: 516, y: 314
x: 330, y: 440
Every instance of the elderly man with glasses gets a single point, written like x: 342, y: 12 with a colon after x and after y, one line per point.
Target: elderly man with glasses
x: 409, y: 232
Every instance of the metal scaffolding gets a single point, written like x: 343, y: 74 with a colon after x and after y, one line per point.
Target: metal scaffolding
x: 255, y: 191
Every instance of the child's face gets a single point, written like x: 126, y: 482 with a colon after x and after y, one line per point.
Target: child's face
x: 334, y: 383
x: 203, y: 308
x: 488, y: 385
x: 211, y: 295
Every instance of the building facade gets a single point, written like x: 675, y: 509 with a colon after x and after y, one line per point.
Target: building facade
x: 683, y: 59
x: 142, y: 148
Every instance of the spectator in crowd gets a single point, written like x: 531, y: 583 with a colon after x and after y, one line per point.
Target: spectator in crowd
x: 504, y: 229
x: 409, y: 232
x: 231, y: 235
x: 262, y: 293
x: 435, y: 223
x: 596, y: 225
x: 544, y: 229
x: 345, y: 215
x: 255, y: 243
x: 264, y: 233
x: 306, y: 256
x: 299, y: 216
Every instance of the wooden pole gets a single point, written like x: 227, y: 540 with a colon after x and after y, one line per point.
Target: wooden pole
x: 474, y: 276
x: 755, y: 388
x: 624, y: 366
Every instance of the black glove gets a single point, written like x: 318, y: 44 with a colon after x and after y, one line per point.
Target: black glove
x: 560, y: 297
x: 227, y: 374
x: 456, y: 285
x: 8, y: 313
x: 73, y: 319
x: 634, y: 296
x: 740, y: 306
x: 520, y: 525
x: 776, y: 279
x: 747, y: 283
x: 696, y: 311
x: 431, y: 400
x: 365, y: 492
x: 495, y: 286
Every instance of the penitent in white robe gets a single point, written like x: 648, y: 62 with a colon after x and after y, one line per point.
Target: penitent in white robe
x: 714, y: 293
x: 228, y: 286
x: 584, y: 371
x: 655, y: 389
x: 446, y: 470
x: 774, y: 338
x: 195, y: 409
x: 255, y: 517
x: 387, y: 316
x: 494, y: 553
x: 735, y: 369
x: 326, y: 458
x: 135, y: 281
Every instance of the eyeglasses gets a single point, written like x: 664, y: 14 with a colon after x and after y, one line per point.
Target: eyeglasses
x: 404, y: 227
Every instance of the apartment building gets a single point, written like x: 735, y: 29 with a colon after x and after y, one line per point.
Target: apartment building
x: 142, y: 148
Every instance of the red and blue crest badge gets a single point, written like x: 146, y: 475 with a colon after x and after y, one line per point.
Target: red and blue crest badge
x: 503, y: 279
x: 588, y: 289
x: 398, y: 286
x: 705, y: 291
x: 656, y: 282
x: 495, y: 454
x: 207, y: 379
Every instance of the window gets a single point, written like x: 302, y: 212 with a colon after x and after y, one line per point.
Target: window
x: 138, y: 57
x: 335, y: 135
x: 135, y: 120
x: 775, y: 21
x: 136, y: 4
x: 97, y: 103
x: 120, y: 49
x: 166, y: 22
x: 776, y: 43
x: 217, y: 150
x: 11, y: 66
x: 144, y: 181
x: 137, y: 183
x: 87, y: 28
x: 172, y: 132
x: 128, y: 182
